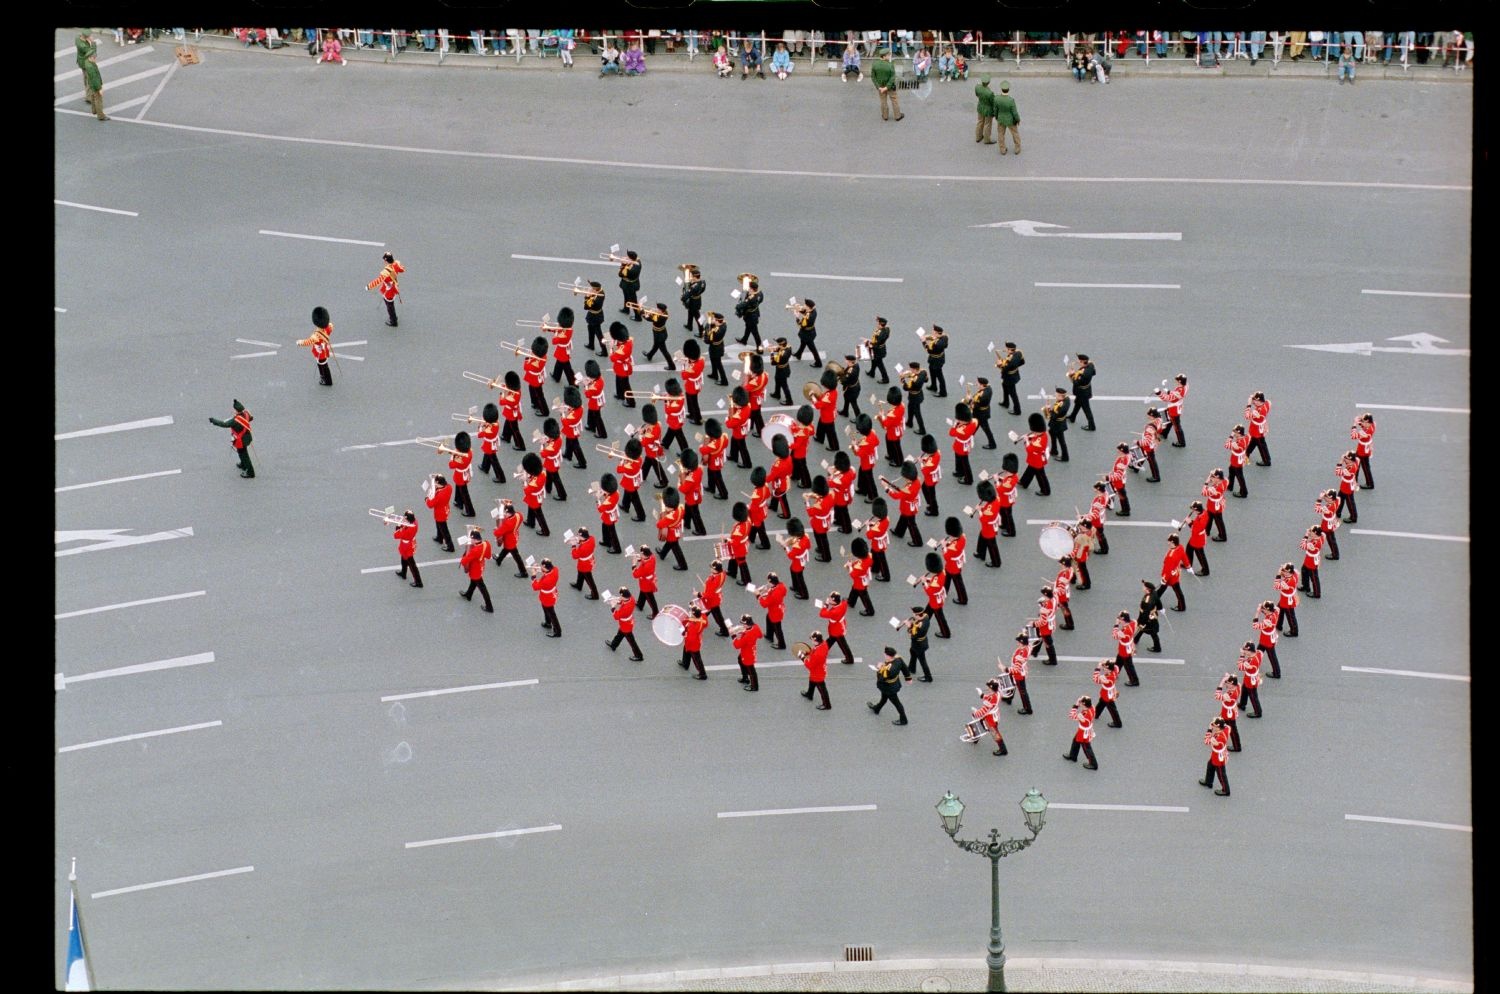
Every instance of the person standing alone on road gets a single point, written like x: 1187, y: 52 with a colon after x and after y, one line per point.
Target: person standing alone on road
x: 93, y: 87
x: 985, y: 110
x: 87, y: 49
x: 884, y: 75
x: 1006, y: 116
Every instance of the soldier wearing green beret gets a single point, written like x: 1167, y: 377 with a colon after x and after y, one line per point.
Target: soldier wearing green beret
x: 986, y: 111
x: 93, y: 87
x: 1006, y: 116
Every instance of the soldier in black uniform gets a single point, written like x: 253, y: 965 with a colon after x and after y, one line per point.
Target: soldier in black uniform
x: 781, y: 362
x: 912, y: 381
x: 1057, y: 423
x: 807, y: 332
x: 888, y: 682
x: 983, y: 398
x: 692, y: 296
x: 593, y: 316
x: 749, y: 309
x: 849, y: 380
x: 658, y: 318
x: 916, y: 628
x: 714, y: 334
x: 1010, y: 374
x: 1083, y: 391
x: 630, y: 283
x: 936, y: 345
x: 878, y: 339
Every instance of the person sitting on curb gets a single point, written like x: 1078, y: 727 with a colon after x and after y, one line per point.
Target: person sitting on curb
x: 921, y: 65
x: 722, y: 64
x: 1079, y: 64
x: 1099, y: 66
x: 750, y: 59
x: 781, y: 61
x: 333, y: 50
x: 945, y: 65
x: 635, y: 60
x: 851, y: 63
x: 609, y: 60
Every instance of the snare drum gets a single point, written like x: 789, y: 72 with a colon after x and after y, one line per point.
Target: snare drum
x: 974, y: 730
x: 1007, y: 685
x: 777, y: 424
x: 721, y: 550
x: 667, y: 626
x: 1056, y: 541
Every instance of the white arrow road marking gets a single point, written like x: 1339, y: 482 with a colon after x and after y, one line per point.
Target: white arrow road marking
x: 1421, y: 344
x: 1032, y: 229
x: 111, y: 538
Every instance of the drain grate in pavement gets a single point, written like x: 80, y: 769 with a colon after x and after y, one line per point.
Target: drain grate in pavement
x: 859, y: 954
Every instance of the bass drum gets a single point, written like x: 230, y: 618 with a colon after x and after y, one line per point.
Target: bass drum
x: 1056, y: 541
x: 668, y: 625
x: 778, y: 424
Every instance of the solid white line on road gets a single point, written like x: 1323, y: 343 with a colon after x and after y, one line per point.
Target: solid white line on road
x: 351, y: 358
x: 1168, y: 809
x: 1406, y: 407
x: 484, y: 835
x: 797, y: 811
x: 1135, y: 400
x: 459, y: 690
x: 348, y: 345
x: 253, y: 355
x: 851, y: 279
x: 558, y: 258
x: 1408, y: 821
x: 1138, y: 658
x: 351, y: 448
x: 173, y: 881
x: 107, y: 62
x: 1415, y: 293
x: 114, y: 83
x: 399, y: 441
x: 1431, y: 538
x: 1111, y: 523
x: 1117, y: 286
x: 720, y: 536
x: 124, y: 105
x: 141, y: 735
x: 122, y: 426
x: 91, y: 207
x: 1429, y: 676
x: 252, y: 341
x: 116, y: 607
x: 196, y: 659
x: 60, y: 310
x: 320, y: 238
x: 118, y: 479
x: 397, y: 567
x: 771, y: 664
x: 157, y: 92
x: 60, y: 53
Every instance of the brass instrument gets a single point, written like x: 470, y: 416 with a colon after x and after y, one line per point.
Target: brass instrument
x: 595, y: 491
x: 387, y: 516
x: 537, y: 438
x: 908, y: 377
x: 533, y: 568
x: 610, y: 256
x: 646, y: 395
x: 610, y: 450
x: 798, y: 310
x: 545, y: 323
x: 811, y: 391
x: 1076, y: 371
x: 494, y: 384
x: 661, y: 503
x: 736, y: 630
x: 429, y: 484
x: 519, y: 349
x: 467, y: 419
x: 611, y: 600
x: 837, y: 368
x: 927, y: 339
x: 744, y: 369
x: 685, y: 271
x: 434, y: 443
x: 744, y: 280
x: 639, y: 306
x: 578, y: 286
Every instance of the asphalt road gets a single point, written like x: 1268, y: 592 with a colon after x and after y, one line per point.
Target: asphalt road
x: 1289, y: 204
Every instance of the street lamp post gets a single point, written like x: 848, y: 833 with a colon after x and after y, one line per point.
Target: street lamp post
x: 1034, y: 808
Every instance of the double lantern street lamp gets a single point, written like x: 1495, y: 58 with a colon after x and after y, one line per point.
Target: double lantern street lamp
x: 1034, y: 808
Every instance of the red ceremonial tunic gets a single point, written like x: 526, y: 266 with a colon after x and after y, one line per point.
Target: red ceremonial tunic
x: 439, y: 503
x: 953, y: 554
x: 621, y: 358
x: 644, y: 576
x: 583, y: 554
x: 797, y: 551
x: 859, y: 572
x: 894, y: 422
x: 624, y: 615
x: 773, y: 599
x: 474, y: 558
x: 406, y: 540
x: 931, y: 466
x: 488, y: 432
x: 746, y: 643
x: 508, y: 531
x: 546, y: 587
x: 835, y: 614
x: 1172, y: 563
x: 1036, y: 449
x: 878, y: 531
x: 609, y: 508
x: 817, y: 663
x: 460, y: 465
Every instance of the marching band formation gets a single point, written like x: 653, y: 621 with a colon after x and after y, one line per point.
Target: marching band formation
x: 656, y: 449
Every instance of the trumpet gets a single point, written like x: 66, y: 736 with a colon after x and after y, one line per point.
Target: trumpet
x: 610, y: 450
x: 611, y: 601
x: 595, y: 491
x: 577, y: 287
x: 798, y: 310
x: 928, y: 339
x: 537, y: 438
x: 387, y: 516
x: 533, y: 568
x: 545, y: 323
x: 909, y: 377
x: 737, y: 629
x: 519, y: 349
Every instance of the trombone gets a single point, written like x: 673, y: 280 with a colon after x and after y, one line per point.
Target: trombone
x: 494, y: 384
x: 436, y: 443
x: 387, y: 516
x: 646, y: 395
x: 649, y: 313
x: 610, y: 450
x: 611, y: 255
x: 519, y: 349
x: 468, y: 419
x: 544, y: 324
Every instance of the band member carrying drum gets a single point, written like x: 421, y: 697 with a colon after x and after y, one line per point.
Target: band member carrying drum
x: 988, y: 713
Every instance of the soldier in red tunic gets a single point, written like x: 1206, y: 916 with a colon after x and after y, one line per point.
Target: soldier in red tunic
x: 1327, y: 509
x: 953, y: 560
x: 1256, y: 413
x: 816, y: 661
x: 669, y: 528
x: 240, y: 436
x: 508, y: 534
x: 473, y: 562
x: 544, y: 582
x: 712, y: 595
x: 1228, y: 696
x: 1215, y: 738
x: 857, y: 565
x: 1265, y: 627
x: 772, y: 597
x: 572, y: 426
x: 988, y: 511
x: 551, y: 452
x: 320, y: 341
x: 386, y: 284
x: 1017, y: 669
x: 562, y: 347
x: 1083, y: 714
x: 1347, y: 471
x: 1172, y: 565
x: 878, y: 531
x: 835, y: 609
x: 746, y: 635
x: 532, y: 489
x: 624, y: 614
x: 692, y: 641
x: 1124, y: 634
x: 1249, y: 665
x: 989, y: 711
x: 583, y: 548
x: 1036, y: 455
x: 1312, y: 547
x: 1173, y: 398
x: 439, y: 493
x: 1286, y: 599
x: 1105, y: 675
x: 1043, y: 622
x: 406, y: 547
x: 462, y: 466
x: 607, y: 502
x: 1363, y: 434
x: 908, y: 496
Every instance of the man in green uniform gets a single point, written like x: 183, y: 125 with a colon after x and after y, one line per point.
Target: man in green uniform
x: 86, y: 50
x: 93, y: 87
x: 884, y: 76
x: 986, y: 110
x: 1006, y: 116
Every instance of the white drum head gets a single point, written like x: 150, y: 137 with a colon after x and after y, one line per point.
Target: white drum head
x: 1055, y: 541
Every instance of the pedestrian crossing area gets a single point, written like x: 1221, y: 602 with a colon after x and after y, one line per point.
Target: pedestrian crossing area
x: 132, y: 79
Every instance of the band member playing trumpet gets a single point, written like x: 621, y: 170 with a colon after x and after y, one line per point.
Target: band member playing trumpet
x: 712, y: 595
x: 987, y: 549
x: 583, y: 549
x: 1117, y: 478
x: 934, y: 586
x: 508, y: 535
x: 888, y: 681
x: 672, y: 408
x: 988, y: 711
x: 1124, y: 634
x: 1172, y: 565
x: 877, y: 341
x: 1228, y: 695
x: 1098, y: 509
x: 1286, y: 599
x: 1045, y: 615
x: 834, y: 610
x: 745, y: 637
x: 816, y: 661
x: 629, y: 470
x: 386, y: 284
x: 1237, y: 444
x: 669, y: 528
x: 1173, y: 398
x: 572, y: 425
x: 803, y: 429
x: 1215, y: 738
x: 1256, y: 413
x: 240, y: 436
x: 692, y: 641
x: 461, y: 464
x: 1147, y: 617
x: 930, y: 464
x: 1249, y: 665
x: 849, y: 384
x: 841, y: 487
x: 781, y: 364
x: 593, y: 391
x: 963, y: 429
x: 1312, y: 548
x: 952, y: 549
x: 652, y: 449
x: 472, y: 563
x: 865, y: 445
x: 1149, y: 436
x: 908, y: 495
x: 693, y: 286
x: 562, y: 347
x: 1197, y: 523
x: 806, y: 316
x: 892, y: 420
x: 690, y: 485
x: 1105, y: 675
x: 739, y: 542
x: 714, y: 335
x: 820, y: 516
x: 1363, y: 433
x: 1327, y: 509
x: 1213, y: 501
x: 826, y: 401
x: 1036, y: 455
x: 858, y: 567
x: 1057, y: 423
x: 624, y: 615
x: 692, y: 380
x: 658, y: 319
x: 738, y: 423
x: 593, y: 317
x: 913, y: 380
x: 439, y: 493
x: 759, y: 505
x: 607, y: 502
x: 533, y: 370
x: 1082, y: 713
x: 1010, y: 365
x: 1347, y: 470
x: 878, y: 533
x: 531, y: 493
x: 551, y: 453
x: 544, y: 582
x: 1019, y: 659
x: 748, y: 308
x: 643, y: 572
x: 1083, y: 391
x: 712, y: 450
x: 320, y: 342
x: 621, y: 360
x: 1265, y: 629
x: 630, y: 281
x: 935, y: 345
x: 1062, y: 590
x: 406, y: 547
x: 772, y: 597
